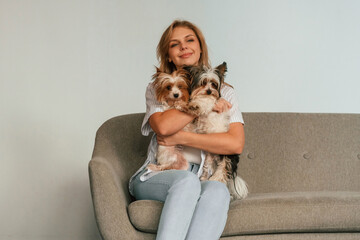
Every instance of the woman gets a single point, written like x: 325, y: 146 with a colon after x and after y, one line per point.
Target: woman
x: 192, y: 209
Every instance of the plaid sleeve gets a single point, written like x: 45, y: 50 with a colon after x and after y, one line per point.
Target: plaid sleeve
x: 152, y: 106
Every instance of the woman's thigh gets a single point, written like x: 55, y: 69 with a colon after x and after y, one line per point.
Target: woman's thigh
x: 157, y: 187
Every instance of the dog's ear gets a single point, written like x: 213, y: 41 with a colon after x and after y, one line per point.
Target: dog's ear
x: 187, y: 68
x: 193, y: 71
x: 222, y: 69
x: 158, y: 72
x: 196, y: 72
x: 186, y: 75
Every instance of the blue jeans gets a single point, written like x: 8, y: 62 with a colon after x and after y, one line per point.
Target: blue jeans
x: 193, y: 210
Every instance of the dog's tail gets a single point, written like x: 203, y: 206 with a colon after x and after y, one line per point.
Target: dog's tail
x: 238, y: 188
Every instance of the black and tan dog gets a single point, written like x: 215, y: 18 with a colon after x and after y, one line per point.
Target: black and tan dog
x: 205, y: 92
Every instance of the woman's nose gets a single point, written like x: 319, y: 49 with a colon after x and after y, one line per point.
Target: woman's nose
x: 183, y: 46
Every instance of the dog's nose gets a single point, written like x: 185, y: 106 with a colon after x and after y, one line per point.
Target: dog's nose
x: 176, y: 95
x: 208, y: 92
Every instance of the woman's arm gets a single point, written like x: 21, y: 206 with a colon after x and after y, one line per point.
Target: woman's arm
x: 230, y: 142
x: 169, y: 122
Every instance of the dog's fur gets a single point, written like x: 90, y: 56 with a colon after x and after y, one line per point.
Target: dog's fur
x: 172, y: 90
x: 205, y: 92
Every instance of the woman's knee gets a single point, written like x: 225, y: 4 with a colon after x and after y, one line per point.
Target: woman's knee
x: 217, y: 191
x: 187, y: 181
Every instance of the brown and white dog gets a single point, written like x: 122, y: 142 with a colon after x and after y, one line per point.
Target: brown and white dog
x: 172, y: 90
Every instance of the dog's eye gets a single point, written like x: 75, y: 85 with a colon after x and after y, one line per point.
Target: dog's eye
x: 204, y: 83
x: 168, y: 88
x: 214, y: 85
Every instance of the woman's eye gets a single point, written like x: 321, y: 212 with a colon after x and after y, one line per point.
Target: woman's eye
x: 173, y: 45
x: 190, y: 40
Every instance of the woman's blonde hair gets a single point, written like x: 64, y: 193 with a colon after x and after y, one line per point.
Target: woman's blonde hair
x: 162, y: 50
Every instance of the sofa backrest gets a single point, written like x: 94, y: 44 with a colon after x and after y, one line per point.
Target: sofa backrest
x: 284, y: 152
x: 287, y: 152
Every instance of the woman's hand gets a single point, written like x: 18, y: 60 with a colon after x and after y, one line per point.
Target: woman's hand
x: 171, y: 140
x: 222, y: 106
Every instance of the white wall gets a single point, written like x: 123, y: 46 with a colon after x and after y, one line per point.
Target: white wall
x: 67, y: 66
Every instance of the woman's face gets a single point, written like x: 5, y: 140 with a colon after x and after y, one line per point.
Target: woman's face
x: 184, y: 47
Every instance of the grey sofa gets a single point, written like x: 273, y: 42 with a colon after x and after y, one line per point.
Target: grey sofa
x: 303, y: 173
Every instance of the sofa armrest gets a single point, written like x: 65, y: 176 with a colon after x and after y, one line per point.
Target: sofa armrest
x: 110, y: 200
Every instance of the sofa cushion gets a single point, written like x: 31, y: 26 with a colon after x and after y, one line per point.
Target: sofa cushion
x: 273, y: 213
x: 295, y: 212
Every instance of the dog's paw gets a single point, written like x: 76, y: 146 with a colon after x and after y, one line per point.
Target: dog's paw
x: 153, y: 167
x: 181, y: 106
x: 203, y: 178
x: 194, y: 109
x: 205, y: 174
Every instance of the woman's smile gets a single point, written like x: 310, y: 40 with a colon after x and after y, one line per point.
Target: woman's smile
x: 186, y: 55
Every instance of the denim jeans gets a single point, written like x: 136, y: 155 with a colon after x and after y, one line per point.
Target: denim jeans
x: 193, y: 210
